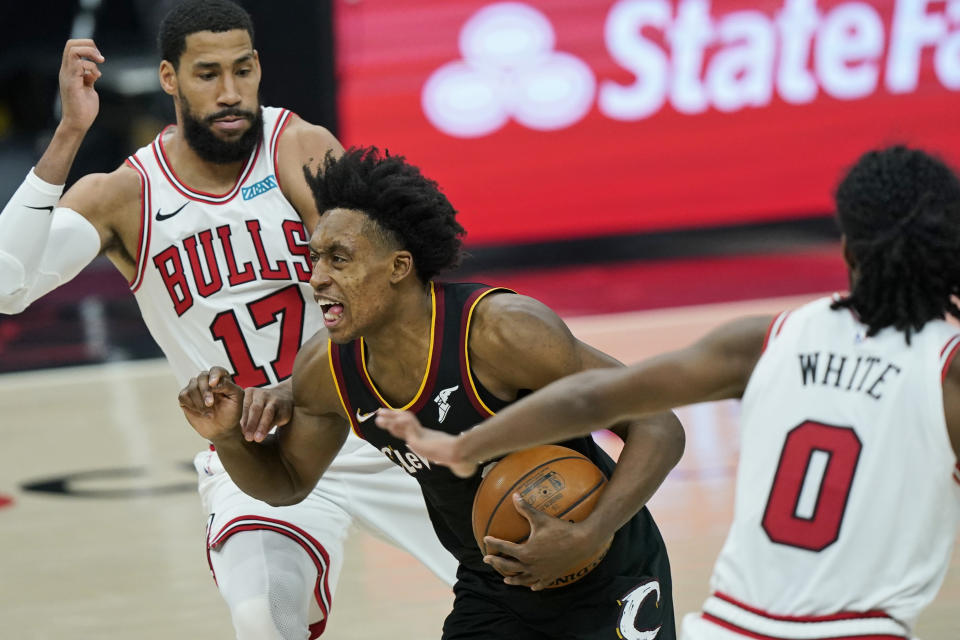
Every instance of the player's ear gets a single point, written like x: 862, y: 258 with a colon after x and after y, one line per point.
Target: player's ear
x: 168, y: 78
x: 402, y: 266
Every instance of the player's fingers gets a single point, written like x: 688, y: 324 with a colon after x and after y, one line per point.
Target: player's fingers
x: 523, y: 580
x: 203, y: 387
x: 533, y: 516
x: 187, y: 401
x: 497, y: 546
x: 82, y: 48
x: 245, y: 411
x: 266, y: 423
x: 82, y: 66
x: 508, y: 567
x: 90, y: 73
x: 396, y: 422
x: 218, y: 375
x: 282, y: 412
x: 194, y: 397
x: 253, y: 419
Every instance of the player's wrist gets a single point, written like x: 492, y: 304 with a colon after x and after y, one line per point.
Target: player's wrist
x: 465, y: 449
x: 229, y: 439
x: 70, y: 130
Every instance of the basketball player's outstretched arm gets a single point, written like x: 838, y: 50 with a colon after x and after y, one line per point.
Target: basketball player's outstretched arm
x: 280, y: 469
x: 714, y: 368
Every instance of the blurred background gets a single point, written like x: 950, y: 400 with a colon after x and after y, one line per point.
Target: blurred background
x: 604, y: 155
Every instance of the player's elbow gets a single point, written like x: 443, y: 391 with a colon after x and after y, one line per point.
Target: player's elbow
x: 668, y: 436
x: 673, y: 437
x: 13, y: 290
x: 286, y: 500
x: 290, y: 494
x: 13, y: 303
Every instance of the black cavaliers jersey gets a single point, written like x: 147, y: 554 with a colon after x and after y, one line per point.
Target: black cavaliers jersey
x: 452, y: 400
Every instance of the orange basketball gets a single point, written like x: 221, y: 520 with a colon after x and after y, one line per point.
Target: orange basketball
x: 555, y: 480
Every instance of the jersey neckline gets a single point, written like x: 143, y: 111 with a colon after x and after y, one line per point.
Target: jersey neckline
x: 159, y: 151
x: 430, y: 363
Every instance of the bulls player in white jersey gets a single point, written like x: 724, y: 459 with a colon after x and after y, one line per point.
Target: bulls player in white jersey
x: 209, y: 225
x: 848, y: 489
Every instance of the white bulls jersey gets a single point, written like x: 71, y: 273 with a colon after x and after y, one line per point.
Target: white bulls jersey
x: 848, y: 494
x: 222, y: 279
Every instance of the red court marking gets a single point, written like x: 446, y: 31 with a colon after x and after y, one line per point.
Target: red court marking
x: 5, y: 501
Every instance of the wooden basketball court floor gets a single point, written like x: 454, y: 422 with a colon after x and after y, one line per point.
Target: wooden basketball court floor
x: 111, y: 546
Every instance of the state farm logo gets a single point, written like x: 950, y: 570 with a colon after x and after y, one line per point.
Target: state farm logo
x: 678, y: 53
x: 509, y: 70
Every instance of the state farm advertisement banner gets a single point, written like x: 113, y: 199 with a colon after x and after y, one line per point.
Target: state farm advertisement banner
x: 544, y: 120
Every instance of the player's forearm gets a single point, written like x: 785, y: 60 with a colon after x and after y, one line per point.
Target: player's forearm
x: 565, y: 409
x: 41, y: 246
x: 652, y: 448
x: 260, y: 470
x: 55, y: 163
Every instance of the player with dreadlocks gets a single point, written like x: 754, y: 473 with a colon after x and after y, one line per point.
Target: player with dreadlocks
x: 848, y: 489
x: 898, y: 213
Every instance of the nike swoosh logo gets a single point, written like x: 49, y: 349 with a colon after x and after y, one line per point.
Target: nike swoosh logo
x: 47, y: 209
x: 363, y: 417
x: 161, y: 216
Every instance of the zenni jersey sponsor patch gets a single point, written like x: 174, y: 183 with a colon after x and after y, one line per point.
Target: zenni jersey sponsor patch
x: 254, y: 190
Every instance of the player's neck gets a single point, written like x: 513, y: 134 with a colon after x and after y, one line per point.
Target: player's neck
x: 399, y: 351
x: 194, y: 171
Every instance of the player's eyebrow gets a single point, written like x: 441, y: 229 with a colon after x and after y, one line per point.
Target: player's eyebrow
x: 247, y: 57
x: 332, y: 247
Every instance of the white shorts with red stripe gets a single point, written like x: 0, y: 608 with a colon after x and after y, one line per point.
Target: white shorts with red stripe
x: 723, y: 618
x: 361, y: 487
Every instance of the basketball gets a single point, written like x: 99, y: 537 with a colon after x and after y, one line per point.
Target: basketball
x: 553, y: 479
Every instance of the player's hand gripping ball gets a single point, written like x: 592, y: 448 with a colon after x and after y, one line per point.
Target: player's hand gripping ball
x: 555, y: 480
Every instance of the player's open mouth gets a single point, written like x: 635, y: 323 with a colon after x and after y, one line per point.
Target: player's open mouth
x: 332, y: 311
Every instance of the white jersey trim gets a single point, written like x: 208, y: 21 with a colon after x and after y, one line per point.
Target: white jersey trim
x: 726, y: 612
x: 202, y: 196
x: 273, y: 147
x: 774, y: 329
x: 145, y: 208
x: 947, y: 353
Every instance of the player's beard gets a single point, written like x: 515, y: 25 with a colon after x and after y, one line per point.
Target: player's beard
x: 199, y: 134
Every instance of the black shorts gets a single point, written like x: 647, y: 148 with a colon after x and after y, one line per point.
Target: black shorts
x: 629, y: 593
x: 618, y: 613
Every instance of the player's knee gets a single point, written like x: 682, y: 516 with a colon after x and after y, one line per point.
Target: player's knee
x: 264, y: 618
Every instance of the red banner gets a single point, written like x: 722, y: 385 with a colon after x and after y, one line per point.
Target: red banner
x: 555, y: 119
